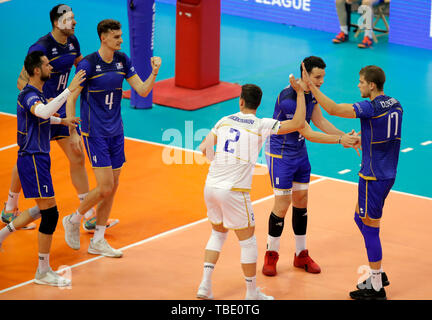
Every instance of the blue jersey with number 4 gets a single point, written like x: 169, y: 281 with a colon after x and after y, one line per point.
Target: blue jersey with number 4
x: 61, y: 57
x: 381, y: 123
x: 102, y: 93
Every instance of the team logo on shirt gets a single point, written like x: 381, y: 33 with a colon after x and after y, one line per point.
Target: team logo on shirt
x: 98, y: 68
x: 119, y: 65
x: 54, y: 51
x: 71, y: 46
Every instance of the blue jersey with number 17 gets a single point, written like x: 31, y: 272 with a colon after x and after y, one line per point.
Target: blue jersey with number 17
x: 381, y: 123
x: 102, y: 93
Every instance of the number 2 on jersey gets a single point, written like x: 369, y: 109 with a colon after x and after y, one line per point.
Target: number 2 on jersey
x: 235, y: 139
x: 109, y: 100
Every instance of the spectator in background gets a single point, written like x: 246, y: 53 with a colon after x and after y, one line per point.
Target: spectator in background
x: 343, y: 35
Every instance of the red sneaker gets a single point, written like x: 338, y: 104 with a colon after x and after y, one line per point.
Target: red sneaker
x: 366, y: 43
x: 304, y: 261
x: 341, y: 37
x: 270, y: 260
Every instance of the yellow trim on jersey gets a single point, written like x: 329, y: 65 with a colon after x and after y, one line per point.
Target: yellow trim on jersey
x: 272, y: 181
x: 381, y: 115
x: 367, y: 217
x: 24, y: 133
x: 366, y: 198
x: 99, y: 75
x: 279, y: 156
x: 44, y: 122
x: 84, y: 134
x: 119, y: 72
x: 367, y: 177
x: 370, y: 147
x: 97, y: 90
x: 132, y: 76
x: 247, y: 211
x: 37, y: 178
x: 241, y: 190
x: 55, y: 58
x: 20, y: 105
x: 282, y: 189
x: 235, y: 157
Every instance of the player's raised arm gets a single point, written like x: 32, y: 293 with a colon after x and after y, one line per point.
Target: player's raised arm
x: 298, y: 121
x: 45, y: 111
x: 143, y: 88
x: 344, y: 110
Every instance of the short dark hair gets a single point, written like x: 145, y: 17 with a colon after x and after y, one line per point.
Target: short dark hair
x: 107, y: 25
x: 32, y: 61
x: 374, y: 74
x: 312, y: 62
x: 58, y: 11
x: 252, y: 95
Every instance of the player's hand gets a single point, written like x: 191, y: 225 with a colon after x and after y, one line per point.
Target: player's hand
x: 295, y: 84
x: 71, y: 122
x: 155, y: 63
x: 306, y: 78
x: 349, y: 140
x: 77, y: 80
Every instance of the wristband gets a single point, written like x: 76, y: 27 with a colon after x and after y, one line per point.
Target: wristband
x: 340, y: 138
x: 55, y: 120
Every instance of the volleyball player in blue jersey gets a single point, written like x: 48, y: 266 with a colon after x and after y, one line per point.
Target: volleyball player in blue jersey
x: 102, y: 128
x: 381, y: 123
x: 62, y: 49
x: 34, y: 121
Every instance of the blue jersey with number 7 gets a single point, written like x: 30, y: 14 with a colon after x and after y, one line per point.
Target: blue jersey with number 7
x: 102, y: 93
x: 381, y: 123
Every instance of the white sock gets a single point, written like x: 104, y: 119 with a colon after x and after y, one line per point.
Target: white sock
x: 99, y: 233
x: 344, y: 29
x: 6, y: 231
x: 368, y: 33
x: 250, y: 285
x: 207, y: 274
x: 273, y: 243
x: 376, y: 279
x: 75, y: 217
x: 300, y: 242
x: 43, y: 262
x: 12, y: 201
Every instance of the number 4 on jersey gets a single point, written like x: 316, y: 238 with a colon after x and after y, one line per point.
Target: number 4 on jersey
x: 109, y: 100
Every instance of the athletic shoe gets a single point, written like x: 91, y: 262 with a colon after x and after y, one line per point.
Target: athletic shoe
x: 51, y: 278
x: 204, y: 293
x: 258, y: 295
x: 368, y: 294
x: 89, y: 224
x: 103, y: 248
x: 72, y: 233
x: 368, y: 282
x: 341, y: 37
x: 304, y: 261
x: 9, y: 216
x: 366, y: 43
x: 270, y: 260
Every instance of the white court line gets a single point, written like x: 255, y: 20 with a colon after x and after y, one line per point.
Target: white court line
x: 426, y: 143
x: 8, y: 147
x: 344, y: 171
x: 407, y: 150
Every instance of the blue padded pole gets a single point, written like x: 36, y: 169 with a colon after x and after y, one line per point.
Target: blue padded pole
x: 141, y: 30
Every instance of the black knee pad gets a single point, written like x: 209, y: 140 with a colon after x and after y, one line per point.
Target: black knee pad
x: 276, y: 225
x: 299, y: 221
x: 49, y: 220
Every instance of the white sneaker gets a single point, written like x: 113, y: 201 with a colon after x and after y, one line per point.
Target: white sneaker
x: 204, y: 293
x: 103, y: 248
x: 258, y: 295
x: 51, y: 278
x: 72, y: 233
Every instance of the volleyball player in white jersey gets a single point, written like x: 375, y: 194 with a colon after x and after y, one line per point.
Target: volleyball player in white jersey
x: 238, y: 139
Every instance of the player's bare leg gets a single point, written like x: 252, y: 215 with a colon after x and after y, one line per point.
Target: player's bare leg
x: 10, y: 210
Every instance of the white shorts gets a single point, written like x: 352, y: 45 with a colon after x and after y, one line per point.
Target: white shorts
x: 232, y: 208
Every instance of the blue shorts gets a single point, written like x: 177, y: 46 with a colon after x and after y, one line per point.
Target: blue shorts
x: 34, y: 171
x: 372, y: 195
x: 104, y: 152
x: 286, y: 171
x: 59, y: 131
